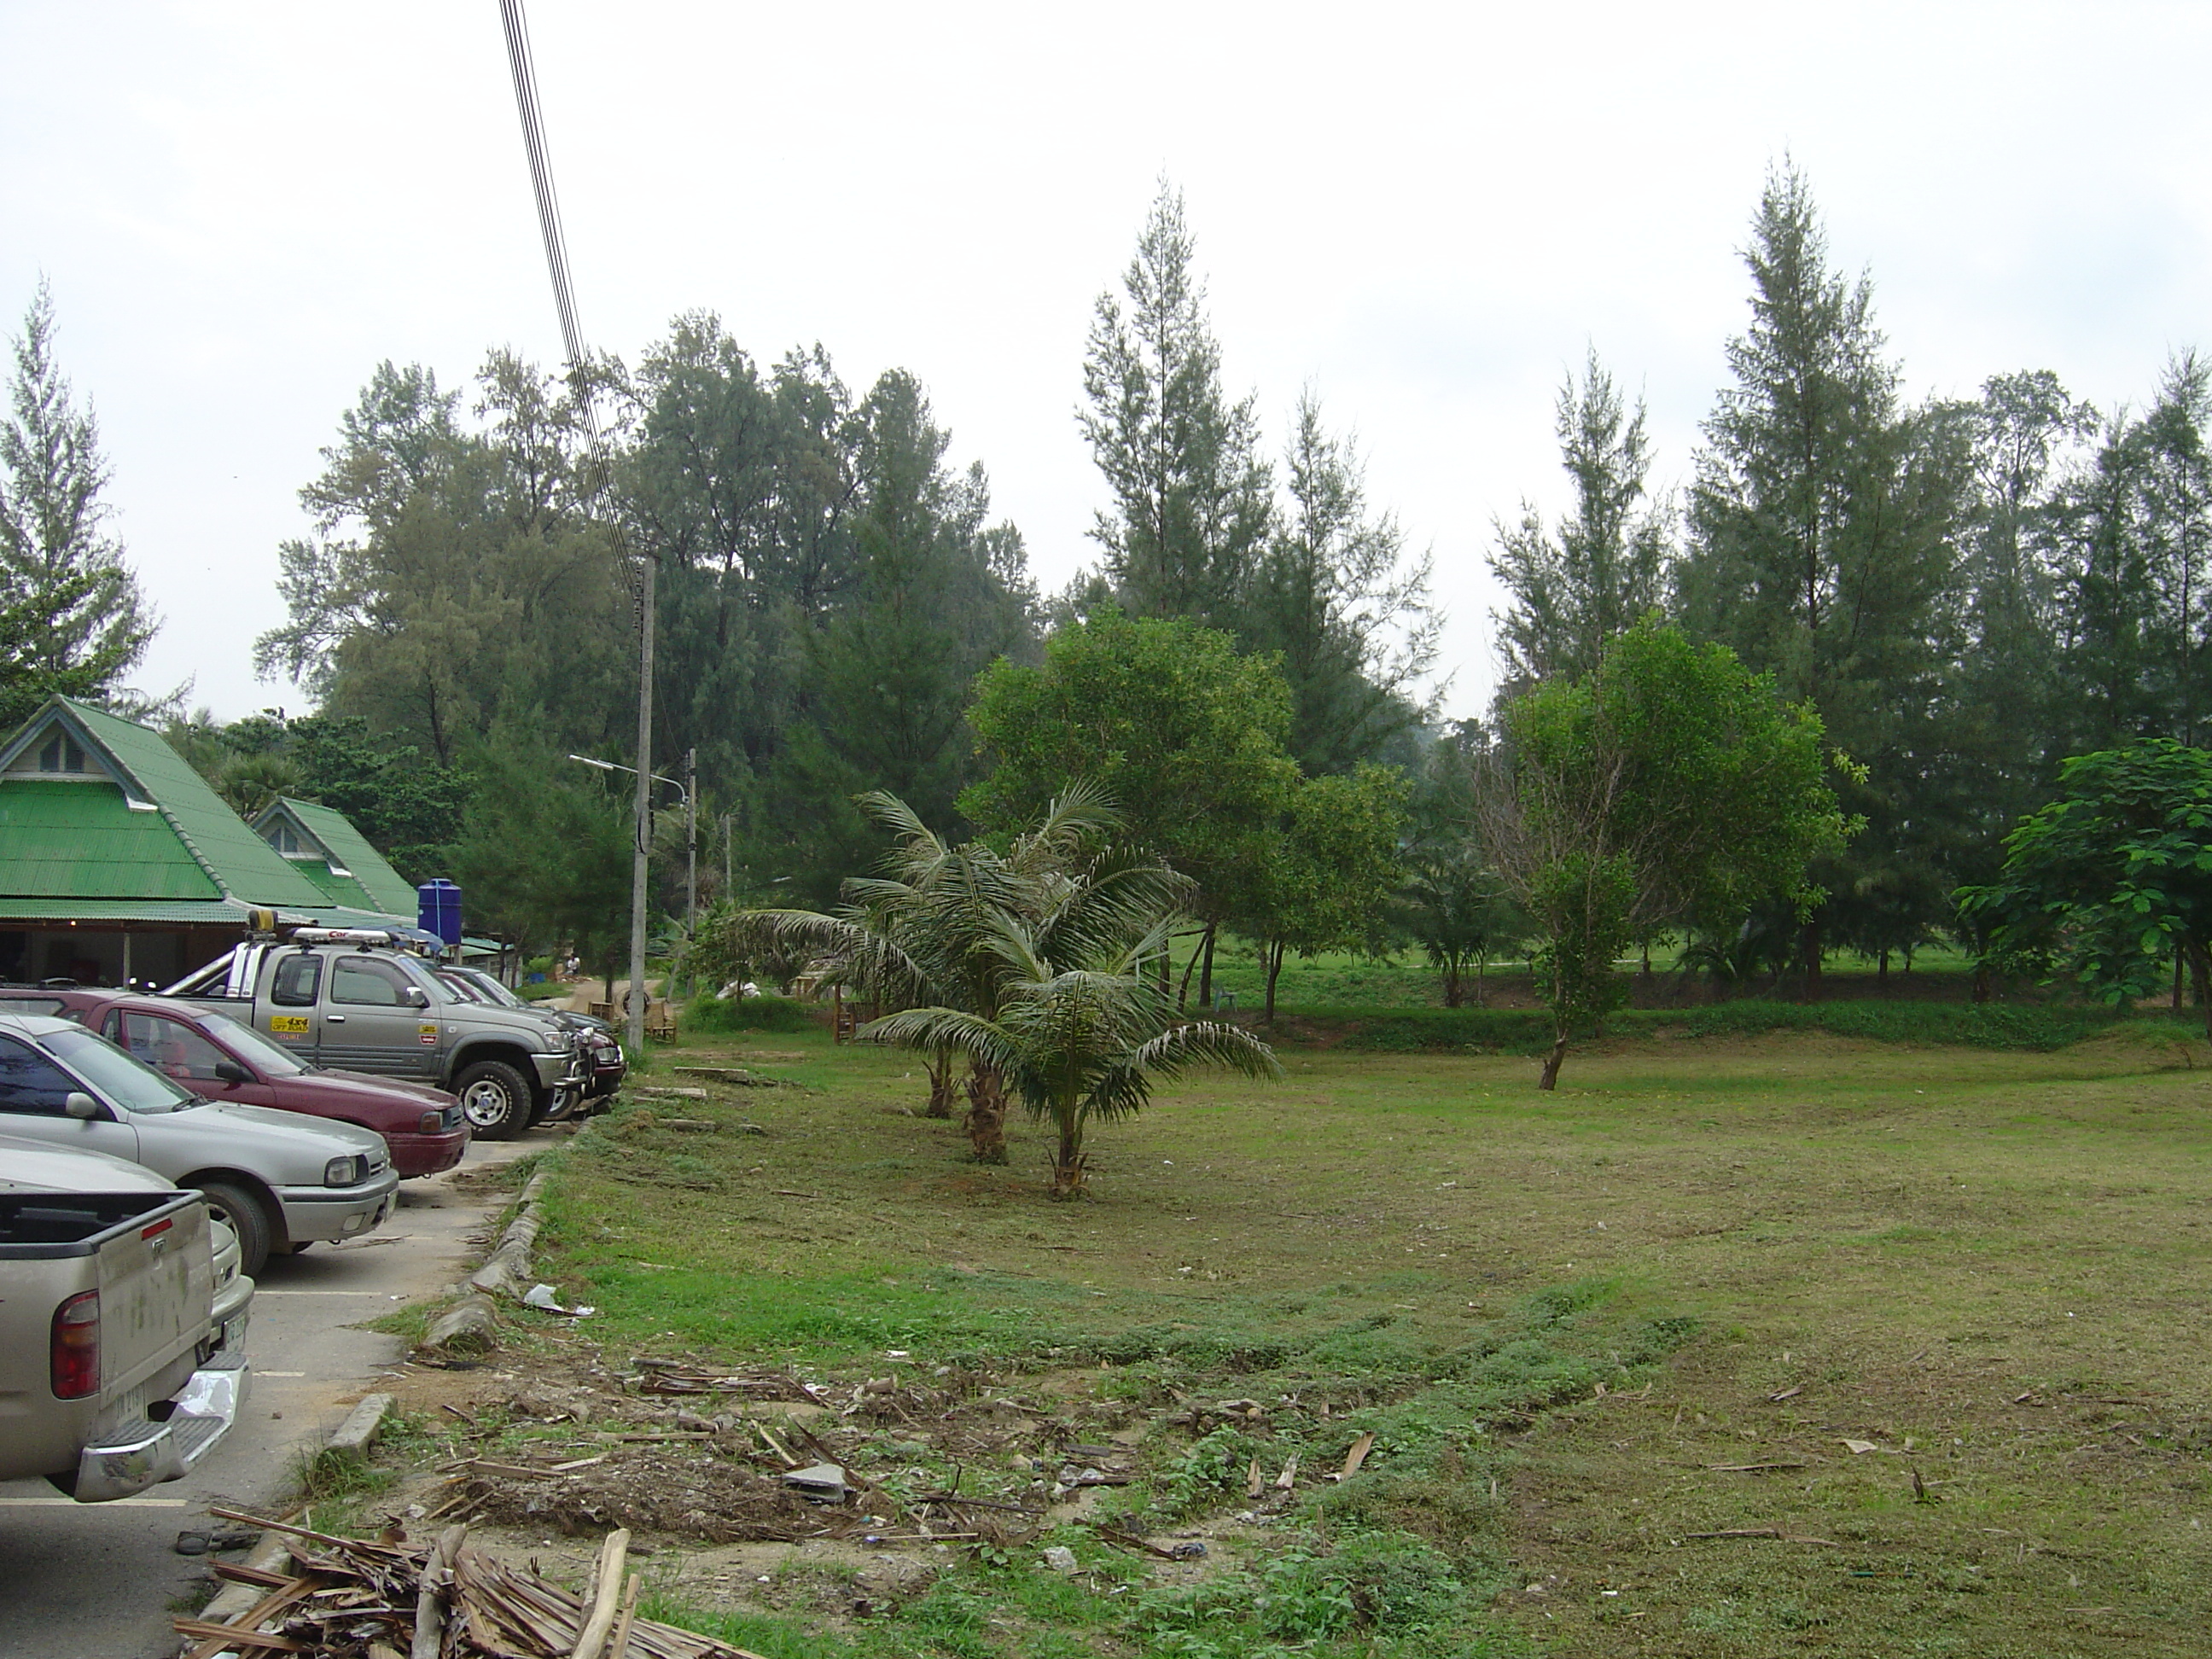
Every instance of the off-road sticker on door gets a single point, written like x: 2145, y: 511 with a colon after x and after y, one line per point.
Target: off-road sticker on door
x: 287, y: 1024
x: 427, y: 1036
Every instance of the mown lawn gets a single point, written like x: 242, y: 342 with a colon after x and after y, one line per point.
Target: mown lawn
x: 1583, y: 1328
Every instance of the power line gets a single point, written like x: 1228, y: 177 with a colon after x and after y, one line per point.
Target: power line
x: 641, y: 570
x: 519, y: 61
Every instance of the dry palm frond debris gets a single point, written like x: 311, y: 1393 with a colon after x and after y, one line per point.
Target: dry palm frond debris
x: 380, y: 1598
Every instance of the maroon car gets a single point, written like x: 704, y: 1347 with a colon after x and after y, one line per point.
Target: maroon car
x: 212, y: 1054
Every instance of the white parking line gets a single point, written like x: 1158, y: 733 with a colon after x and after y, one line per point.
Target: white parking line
x: 112, y: 1504
x: 379, y: 1294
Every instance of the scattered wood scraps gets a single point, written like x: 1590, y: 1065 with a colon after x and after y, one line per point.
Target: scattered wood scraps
x: 358, y: 1598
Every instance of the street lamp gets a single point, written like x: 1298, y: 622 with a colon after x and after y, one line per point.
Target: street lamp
x: 691, y: 825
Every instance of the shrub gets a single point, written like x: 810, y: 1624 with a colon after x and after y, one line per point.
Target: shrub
x: 715, y: 1015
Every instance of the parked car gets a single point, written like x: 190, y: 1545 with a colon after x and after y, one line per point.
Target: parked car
x: 350, y: 1001
x: 120, y: 1367
x: 279, y: 1179
x: 214, y: 1056
x: 608, y: 1065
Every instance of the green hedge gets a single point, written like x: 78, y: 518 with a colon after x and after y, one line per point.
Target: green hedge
x: 711, y: 1015
x: 1528, y: 1030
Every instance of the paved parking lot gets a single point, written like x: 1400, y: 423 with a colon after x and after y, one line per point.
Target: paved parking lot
x: 98, y: 1581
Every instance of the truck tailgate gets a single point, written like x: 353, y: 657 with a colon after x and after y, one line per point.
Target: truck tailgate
x: 146, y: 1254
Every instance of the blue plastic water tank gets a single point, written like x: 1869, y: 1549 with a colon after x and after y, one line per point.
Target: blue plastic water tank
x: 438, y: 909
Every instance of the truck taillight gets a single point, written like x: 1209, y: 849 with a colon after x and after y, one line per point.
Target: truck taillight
x: 76, y: 1346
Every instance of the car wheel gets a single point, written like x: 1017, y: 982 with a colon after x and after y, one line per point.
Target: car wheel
x: 495, y: 1099
x: 247, y: 1217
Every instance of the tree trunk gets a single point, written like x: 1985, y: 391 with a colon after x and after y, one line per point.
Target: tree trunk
x: 986, y: 1123
x: 1182, y: 989
x: 941, y: 1085
x: 1982, y: 978
x: 1881, y: 970
x: 1481, y: 995
x: 1205, y: 972
x: 1809, y: 944
x: 1068, y: 1164
x: 1558, y: 1052
x: 2200, y: 980
x: 2177, y: 964
x: 1451, y: 982
x: 1274, y: 951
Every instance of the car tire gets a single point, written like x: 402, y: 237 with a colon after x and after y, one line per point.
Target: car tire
x: 249, y: 1218
x: 495, y: 1099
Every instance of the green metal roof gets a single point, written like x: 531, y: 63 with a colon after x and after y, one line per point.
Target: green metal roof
x: 214, y: 913
x: 371, y: 884
x: 80, y: 839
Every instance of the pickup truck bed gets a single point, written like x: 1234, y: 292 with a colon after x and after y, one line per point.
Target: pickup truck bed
x: 111, y: 1379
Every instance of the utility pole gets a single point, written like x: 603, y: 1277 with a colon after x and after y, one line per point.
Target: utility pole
x: 639, y: 859
x: 690, y: 843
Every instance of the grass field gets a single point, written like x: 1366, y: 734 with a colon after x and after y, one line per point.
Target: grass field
x: 1616, y: 1345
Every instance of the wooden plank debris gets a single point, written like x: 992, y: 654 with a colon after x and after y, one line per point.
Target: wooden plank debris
x: 360, y: 1598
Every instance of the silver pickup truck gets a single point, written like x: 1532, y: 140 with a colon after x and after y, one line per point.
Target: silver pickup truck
x: 348, y: 1001
x: 122, y: 1312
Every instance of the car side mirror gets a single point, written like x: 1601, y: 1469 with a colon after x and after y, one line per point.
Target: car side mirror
x: 229, y: 1071
x: 419, y: 997
x: 80, y: 1106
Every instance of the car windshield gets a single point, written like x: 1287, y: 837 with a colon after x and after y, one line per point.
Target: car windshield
x: 121, y: 1077
x: 493, y: 991
x: 249, y: 1044
x: 418, y: 974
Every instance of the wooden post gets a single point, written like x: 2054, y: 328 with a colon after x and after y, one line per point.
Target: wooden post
x: 429, y: 1609
x: 605, y: 1599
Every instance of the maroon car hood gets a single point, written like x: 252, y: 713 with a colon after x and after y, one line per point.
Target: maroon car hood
x: 329, y: 1088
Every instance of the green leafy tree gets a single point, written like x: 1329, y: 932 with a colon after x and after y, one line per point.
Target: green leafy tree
x: 1453, y: 904
x: 2010, y: 691
x: 1612, y: 557
x: 459, y: 576
x: 542, y: 854
x: 890, y: 668
x: 1190, y: 488
x: 72, y: 620
x: 1163, y: 718
x: 1823, y: 547
x: 1344, y: 610
x: 1670, y: 786
x: 1327, y: 873
x: 2112, y: 880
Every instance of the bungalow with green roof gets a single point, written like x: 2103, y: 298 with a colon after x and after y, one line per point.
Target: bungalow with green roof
x: 119, y: 864
x: 321, y: 844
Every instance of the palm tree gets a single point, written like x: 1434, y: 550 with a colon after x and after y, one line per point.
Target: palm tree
x: 925, y: 932
x: 1079, y: 1038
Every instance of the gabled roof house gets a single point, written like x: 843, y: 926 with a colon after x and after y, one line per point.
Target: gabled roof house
x: 119, y: 863
x: 322, y: 844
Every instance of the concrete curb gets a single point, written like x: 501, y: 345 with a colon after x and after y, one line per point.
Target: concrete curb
x: 505, y: 1271
x: 469, y: 1326
x: 354, y: 1435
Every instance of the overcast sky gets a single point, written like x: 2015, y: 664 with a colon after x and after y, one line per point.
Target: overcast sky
x: 1426, y: 211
